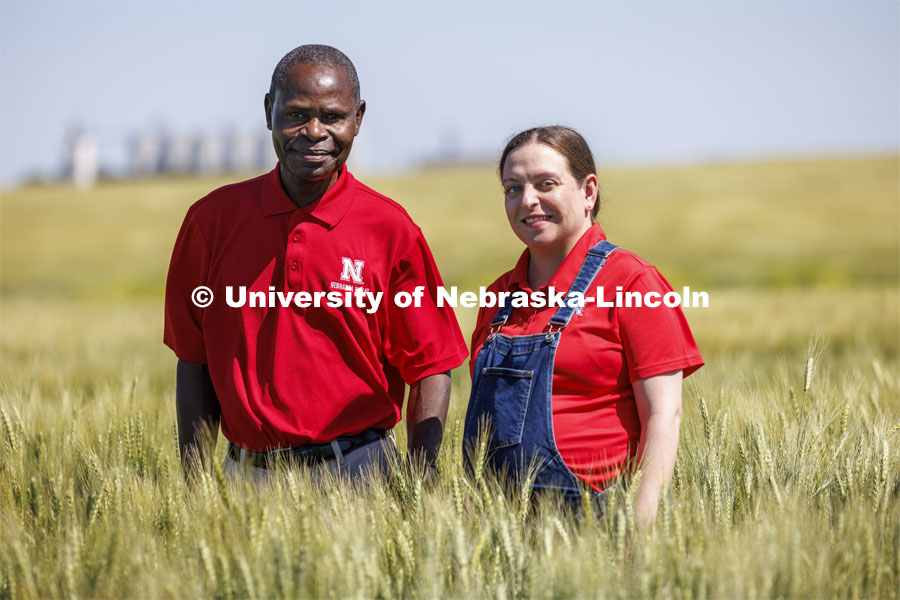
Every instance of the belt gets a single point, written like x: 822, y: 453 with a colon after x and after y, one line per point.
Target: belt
x: 311, y: 453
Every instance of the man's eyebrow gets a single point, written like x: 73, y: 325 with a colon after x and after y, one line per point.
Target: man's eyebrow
x: 340, y: 107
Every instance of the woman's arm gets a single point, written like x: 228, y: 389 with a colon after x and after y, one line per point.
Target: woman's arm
x: 658, y: 401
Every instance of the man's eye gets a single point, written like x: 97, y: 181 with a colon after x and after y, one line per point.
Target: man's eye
x: 512, y: 189
x: 332, y: 118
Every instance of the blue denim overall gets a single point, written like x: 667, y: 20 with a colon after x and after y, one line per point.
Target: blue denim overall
x: 512, y: 386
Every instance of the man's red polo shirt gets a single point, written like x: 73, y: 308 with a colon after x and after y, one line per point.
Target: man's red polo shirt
x: 288, y: 376
x: 601, y: 353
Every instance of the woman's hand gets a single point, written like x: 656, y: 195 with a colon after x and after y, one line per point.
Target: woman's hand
x: 658, y: 401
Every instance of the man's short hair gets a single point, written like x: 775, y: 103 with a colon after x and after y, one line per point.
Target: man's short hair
x: 315, y: 54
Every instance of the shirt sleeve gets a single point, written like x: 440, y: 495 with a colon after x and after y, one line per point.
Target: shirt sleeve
x: 657, y: 339
x: 188, y: 269
x: 423, y: 340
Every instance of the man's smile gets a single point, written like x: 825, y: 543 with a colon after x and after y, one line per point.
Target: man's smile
x: 312, y: 152
x: 312, y: 155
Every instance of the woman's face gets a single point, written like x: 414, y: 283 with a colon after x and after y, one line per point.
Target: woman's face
x: 546, y: 207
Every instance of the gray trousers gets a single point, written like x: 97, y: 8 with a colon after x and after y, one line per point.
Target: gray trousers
x: 376, y: 456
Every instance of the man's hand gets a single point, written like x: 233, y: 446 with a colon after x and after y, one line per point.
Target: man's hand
x: 198, y: 412
x: 426, y: 412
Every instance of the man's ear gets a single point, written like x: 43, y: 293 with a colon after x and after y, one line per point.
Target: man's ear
x: 267, y: 102
x: 359, y: 115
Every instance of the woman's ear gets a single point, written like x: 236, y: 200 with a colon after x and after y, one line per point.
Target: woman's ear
x: 591, y: 188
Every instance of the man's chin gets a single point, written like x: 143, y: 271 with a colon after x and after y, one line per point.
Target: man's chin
x: 311, y: 173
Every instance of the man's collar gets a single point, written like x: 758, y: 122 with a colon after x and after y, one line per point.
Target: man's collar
x: 567, y: 271
x: 329, y: 209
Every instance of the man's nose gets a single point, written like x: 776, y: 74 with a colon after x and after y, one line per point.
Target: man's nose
x: 313, y: 130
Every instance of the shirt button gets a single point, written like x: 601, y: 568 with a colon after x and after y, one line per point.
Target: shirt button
x: 295, y: 239
x: 294, y: 266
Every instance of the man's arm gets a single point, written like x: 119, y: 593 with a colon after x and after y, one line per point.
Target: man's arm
x: 426, y: 412
x: 198, y: 411
x: 659, y: 408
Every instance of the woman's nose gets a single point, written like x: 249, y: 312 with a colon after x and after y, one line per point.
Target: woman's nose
x: 529, y: 196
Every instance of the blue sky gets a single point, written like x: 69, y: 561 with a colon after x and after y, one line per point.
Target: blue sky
x: 646, y: 82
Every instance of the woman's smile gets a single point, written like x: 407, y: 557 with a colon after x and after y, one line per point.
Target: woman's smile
x: 536, y: 220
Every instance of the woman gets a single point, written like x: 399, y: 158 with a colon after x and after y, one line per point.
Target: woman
x: 578, y: 391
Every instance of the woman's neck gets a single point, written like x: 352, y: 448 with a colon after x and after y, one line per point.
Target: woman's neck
x: 542, y: 266
x: 543, y: 263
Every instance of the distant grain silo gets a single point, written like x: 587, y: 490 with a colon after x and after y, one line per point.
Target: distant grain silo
x: 82, y: 160
x: 266, y: 157
x: 179, y: 154
x: 211, y: 153
x: 146, y: 154
x: 242, y: 152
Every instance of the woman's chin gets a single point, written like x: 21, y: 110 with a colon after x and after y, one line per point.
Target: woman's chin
x: 546, y: 248
x: 540, y: 240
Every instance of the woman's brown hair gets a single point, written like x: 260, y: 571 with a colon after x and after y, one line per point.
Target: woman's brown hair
x: 567, y: 142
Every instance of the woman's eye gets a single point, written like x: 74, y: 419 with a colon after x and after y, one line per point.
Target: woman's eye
x: 512, y: 189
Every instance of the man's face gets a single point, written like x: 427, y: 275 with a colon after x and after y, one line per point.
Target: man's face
x: 313, y: 119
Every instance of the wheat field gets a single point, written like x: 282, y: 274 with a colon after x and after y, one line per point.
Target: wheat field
x: 786, y: 484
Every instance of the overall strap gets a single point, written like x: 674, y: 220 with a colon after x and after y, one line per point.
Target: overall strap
x: 502, y: 315
x: 593, y: 262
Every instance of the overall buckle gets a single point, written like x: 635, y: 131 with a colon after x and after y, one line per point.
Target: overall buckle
x: 551, y: 331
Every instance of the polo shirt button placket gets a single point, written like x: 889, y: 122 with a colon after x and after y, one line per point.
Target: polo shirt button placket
x: 293, y: 257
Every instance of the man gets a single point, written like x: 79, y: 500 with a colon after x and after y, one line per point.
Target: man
x: 317, y: 383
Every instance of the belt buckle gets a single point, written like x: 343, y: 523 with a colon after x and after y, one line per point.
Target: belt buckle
x: 308, y: 454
